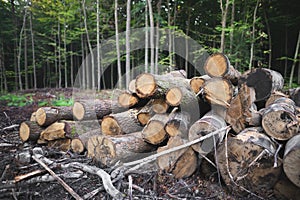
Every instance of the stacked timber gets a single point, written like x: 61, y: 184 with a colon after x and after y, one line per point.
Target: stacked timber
x: 217, y: 118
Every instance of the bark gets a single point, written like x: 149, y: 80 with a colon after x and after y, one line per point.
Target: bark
x: 48, y: 115
x: 295, y: 95
x: 157, y: 36
x: 170, y: 35
x: 145, y: 113
x: 118, y: 46
x: 98, y: 47
x: 269, y: 38
x: 65, y: 54
x: 246, y: 161
x: 146, y: 38
x: 151, y: 37
x: 232, y: 26
x: 178, y: 125
x: 274, y: 96
x: 128, y: 20
x: 285, y: 189
x: 60, y: 144
x: 291, y: 160
x: 223, y: 22
x: 59, y: 54
x: 30, y: 131
x: 78, y: 145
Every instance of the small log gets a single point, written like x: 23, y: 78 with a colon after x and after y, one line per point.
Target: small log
x: 131, y: 86
x: 295, y: 95
x: 48, y: 115
x: 291, y: 160
x: 54, y: 131
x: 264, y: 81
x: 78, y: 145
x: 160, y: 106
x: 61, y: 144
x: 127, y: 100
x: 197, y: 82
x: 33, y: 117
x: 218, y: 91
x: 96, y: 109
x: 247, y: 161
x: 121, y: 123
x: 210, y: 122
x: 154, y: 131
x: 279, y: 121
x: 178, y: 125
x: 108, y: 150
x: 30, y: 131
x: 275, y: 95
x: 218, y: 65
x: 145, y: 113
x: 181, y: 163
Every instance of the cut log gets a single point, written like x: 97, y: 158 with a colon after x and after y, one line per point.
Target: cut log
x: 30, y: 131
x: 127, y: 100
x: 218, y: 65
x: 54, y: 131
x: 275, y: 95
x: 60, y: 144
x: 131, y: 86
x: 178, y: 125
x: 295, y: 95
x: 154, y: 131
x: 291, y: 160
x: 32, y: 117
x: 208, y: 123
x: 79, y: 144
x: 264, y: 81
x: 197, y: 82
x: 95, y: 109
x: 247, y: 160
x: 218, y: 91
x: 181, y: 163
x: 160, y: 106
x: 108, y: 150
x: 145, y: 113
x: 121, y: 123
x: 48, y: 115
x: 279, y: 121
x: 285, y: 189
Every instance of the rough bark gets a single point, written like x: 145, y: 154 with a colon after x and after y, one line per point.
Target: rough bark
x: 78, y: 145
x: 63, y: 144
x: 48, y: 115
x: 285, y: 189
x: 145, y: 113
x: 30, y: 131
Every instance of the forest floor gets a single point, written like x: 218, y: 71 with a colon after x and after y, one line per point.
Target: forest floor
x: 153, y: 185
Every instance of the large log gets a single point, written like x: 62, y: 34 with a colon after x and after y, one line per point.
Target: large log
x: 247, y: 161
x: 264, y: 81
x: 218, y: 91
x: 279, y: 120
x: 218, y: 65
x: 291, y: 160
x: 178, y: 125
x: 154, y: 132
x: 30, y: 131
x: 208, y: 123
x: 108, y: 150
x: 121, y: 123
x: 48, y: 115
x: 95, y: 109
x: 285, y: 189
x: 145, y: 113
x: 181, y: 163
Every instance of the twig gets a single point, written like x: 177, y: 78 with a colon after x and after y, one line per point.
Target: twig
x: 30, y: 174
x: 130, y: 187
x: 4, y: 172
x: 10, y: 127
x: 276, y: 155
x: 68, y: 188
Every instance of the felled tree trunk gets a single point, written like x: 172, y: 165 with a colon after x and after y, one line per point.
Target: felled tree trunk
x: 207, y: 124
x: 63, y: 144
x: 178, y: 125
x: 247, y: 160
x: 197, y: 82
x: 48, y: 115
x: 264, y: 81
x: 181, y: 163
x: 78, y: 145
x: 125, y: 148
x: 218, y: 65
x: 285, y: 189
x: 121, y: 123
x: 291, y: 160
x: 127, y: 100
x: 30, y: 131
x: 154, y: 131
x: 279, y: 121
x: 275, y: 95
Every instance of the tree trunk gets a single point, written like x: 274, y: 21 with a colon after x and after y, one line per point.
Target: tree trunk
x: 118, y: 46
x: 247, y: 160
x: 223, y: 22
x: 253, y: 35
x: 98, y: 47
x: 121, y: 123
x: 33, y: 54
x: 146, y: 38
x: 30, y: 131
x: 109, y: 150
x: 295, y: 95
x: 63, y: 144
x: 59, y: 55
x: 269, y: 38
x: 65, y: 54
x: 170, y: 36
x: 291, y: 160
x: 48, y: 115
x: 151, y: 37
x: 157, y: 36
x: 294, y: 61
x: 25, y: 55
x: 128, y: 20
x: 208, y: 123
x: 232, y: 27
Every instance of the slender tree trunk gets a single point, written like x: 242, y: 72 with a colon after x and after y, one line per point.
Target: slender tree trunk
x: 223, y: 22
x: 118, y: 46
x: 286, y: 53
x: 170, y: 37
x: 128, y: 20
x: 173, y: 38
x: 232, y: 27
x: 25, y: 55
x: 90, y: 46
x: 269, y: 38
x: 55, y: 63
x: 59, y: 54
x: 83, y: 67
x: 187, y: 42
x: 71, y: 65
x: 15, y: 43
x: 65, y: 55
x: 157, y: 36
x: 98, y: 47
x: 33, y: 53
x: 151, y: 36
x: 295, y: 61
x: 146, y: 38
x: 253, y: 35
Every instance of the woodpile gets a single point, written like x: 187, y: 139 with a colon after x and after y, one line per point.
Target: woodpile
x: 189, y: 119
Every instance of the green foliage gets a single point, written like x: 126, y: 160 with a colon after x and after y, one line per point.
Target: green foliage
x: 16, y: 100
x: 62, y: 101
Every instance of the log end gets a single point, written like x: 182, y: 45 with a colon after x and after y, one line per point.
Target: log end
x: 160, y: 106
x: 110, y: 126
x: 196, y: 83
x: 127, y: 100
x: 145, y: 85
x: 143, y: 118
x: 40, y: 116
x: 77, y: 146
x: 154, y: 132
x: 174, y: 96
x: 217, y: 65
x: 78, y: 111
x: 24, y: 132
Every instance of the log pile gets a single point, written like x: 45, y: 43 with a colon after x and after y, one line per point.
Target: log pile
x: 159, y: 113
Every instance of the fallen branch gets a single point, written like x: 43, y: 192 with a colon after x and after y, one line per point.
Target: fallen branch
x: 10, y: 127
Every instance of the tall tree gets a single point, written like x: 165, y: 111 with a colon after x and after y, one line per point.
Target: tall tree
x: 33, y: 52
x: 224, y: 11
x: 157, y: 35
x: 146, y: 38
x: 128, y: 20
x: 294, y: 60
x: 151, y: 36
x: 118, y: 46
x: 253, y: 35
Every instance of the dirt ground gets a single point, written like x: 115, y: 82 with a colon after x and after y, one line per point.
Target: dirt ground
x: 151, y: 185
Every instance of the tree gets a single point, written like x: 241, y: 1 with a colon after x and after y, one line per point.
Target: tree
x: 253, y: 35
x: 224, y: 10
x: 118, y: 45
x: 157, y: 36
x: 294, y: 60
x: 146, y: 38
x: 151, y: 36
x: 128, y: 20
x: 33, y: 52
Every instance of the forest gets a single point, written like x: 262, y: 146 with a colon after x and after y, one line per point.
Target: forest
x: 44, y: 43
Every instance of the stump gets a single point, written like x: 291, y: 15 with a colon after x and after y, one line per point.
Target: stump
x: 30, y: 131
x: 48, y: 115
x: 247, y: 160
x: 291, y: 160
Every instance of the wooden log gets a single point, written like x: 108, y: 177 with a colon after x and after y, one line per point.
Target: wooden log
x: 127, y: 100
x: 285, y: 189
x: 108, y: 150
x: 291, y: 160
x: 33, y: 117
x: 95, y: 109
x: 218, y: 65
x: 247, y: 160
x: 197, y: 82
x: 295, y: 95
x: 78, y: 145
x: 54, y: 131
x: 160, y: 106
x: 30, y: 131
x: 121, y: 123
x: 131, y: 86
x: 218, y: 91
x: 48, y: 115
x: 63, y: 144
x: 274, y: 95
x: 145, y: 113
x: 208, y: 123
x: 178, y: 125
x: 181, y: 163
x: 279, y: 121
x: 154, y: 132
x: 264, y: 81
